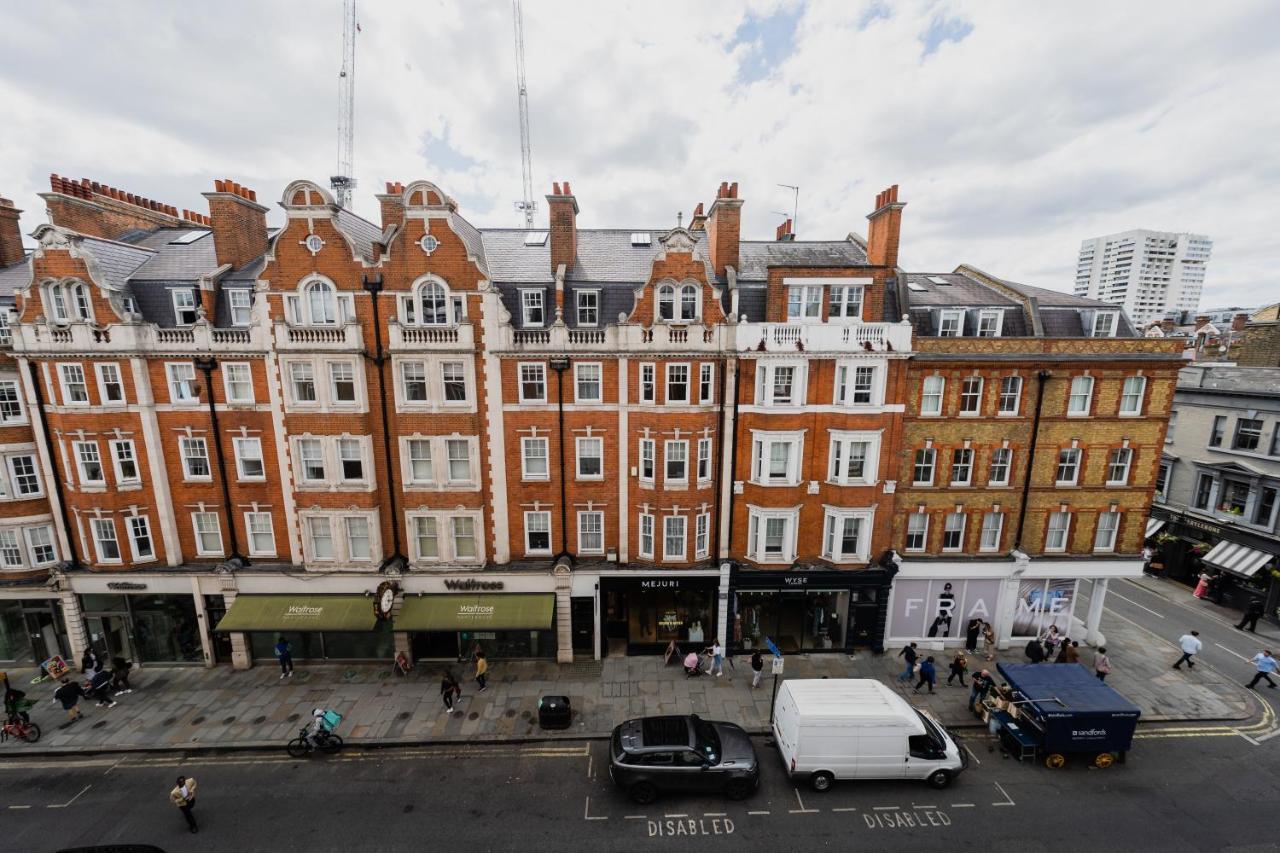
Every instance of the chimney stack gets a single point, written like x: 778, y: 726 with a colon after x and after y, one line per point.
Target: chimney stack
x: 563, y: 209
x: 784, y: 233
x: 724, y: 228
x: 698, y: 222
x: 885, y: 228
x: 11, y: 250
x: 1239, y: 321
x: 392, y: 203
x: 239, y: 223
x: 97, y: 210
x: 1202, y: 320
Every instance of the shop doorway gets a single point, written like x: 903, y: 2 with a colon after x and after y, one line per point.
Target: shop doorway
x: 109, y: 637
x: 864, y: 618
x: 215, y: 607
x: 583, y: 622
x: 46, y: 637
x: 615, y: 623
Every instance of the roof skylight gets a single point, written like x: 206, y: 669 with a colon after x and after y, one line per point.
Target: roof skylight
x: 535, y: 238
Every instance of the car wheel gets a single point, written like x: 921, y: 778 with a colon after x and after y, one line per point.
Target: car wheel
x: 644, y: 793
x: 738, y: 789
x: 940, y: 779
x: 821, y: 781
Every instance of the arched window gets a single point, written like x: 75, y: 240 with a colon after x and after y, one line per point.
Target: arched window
x: 69, y: 301
x: 434, y: 301
x: 689, y: 302
x: 321, y: 305
x: 667, y: 302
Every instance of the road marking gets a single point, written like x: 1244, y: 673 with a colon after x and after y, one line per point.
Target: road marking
x: 886, y: 808
x: 802, y: 809
x: 715, y: 814
x: 590, y: 759
x: 962, y: 805
x: 1134, y: 603
x: 846, y: 809
x: 972, y: 754
x: 1006, y: 796
x: 1246, y: 737
x: 1269, y: 736
x: 19, y: 807
x: 914, y: 806
x: 70, y: 801
x: 1230, y: 652
x: 757, y: 812
x: 635, y: 817
x: 586, y: 813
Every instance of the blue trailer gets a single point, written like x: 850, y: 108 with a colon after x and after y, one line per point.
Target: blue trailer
x: 1062, y: 709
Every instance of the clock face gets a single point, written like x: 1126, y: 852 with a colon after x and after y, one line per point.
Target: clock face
x: 388, y: 599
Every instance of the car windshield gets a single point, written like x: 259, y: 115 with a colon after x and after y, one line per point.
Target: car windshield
x: 706, y: 741
x: 935, y: 733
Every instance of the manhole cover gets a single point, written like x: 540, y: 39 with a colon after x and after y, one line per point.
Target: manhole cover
x: 170, y: 721
x: 527, y: 715
x: 474, y: 715
x: 257, y: 721
x: 197, y: 721
x: 226, y: 721
x: 292, y: 718
x: 404, y: 715
x: 510, y: 712
x: 408, y: 809
x: 99, y: 724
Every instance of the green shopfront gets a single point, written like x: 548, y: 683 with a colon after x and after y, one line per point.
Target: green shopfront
x: 319, y: 627
x: 504, y: 625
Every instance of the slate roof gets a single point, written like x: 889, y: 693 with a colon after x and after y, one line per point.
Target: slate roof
x: 173, y: 261
x: 362, y: 232
x: 957, y: 290
x: 116, y: 261
x: 756, y: 256
x: 1251, y: 380
x: 14, y: 277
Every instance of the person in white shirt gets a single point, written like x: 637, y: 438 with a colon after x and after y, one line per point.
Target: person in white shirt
x: 1190, y: 644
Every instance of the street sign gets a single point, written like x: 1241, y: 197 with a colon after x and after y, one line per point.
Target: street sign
x: 773, y: 647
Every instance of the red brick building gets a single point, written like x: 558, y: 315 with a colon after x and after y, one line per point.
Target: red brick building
x: 418, y: 435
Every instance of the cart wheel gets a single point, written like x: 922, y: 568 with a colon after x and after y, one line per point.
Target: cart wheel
x: 1103, y: 760
x: 1055, y: 760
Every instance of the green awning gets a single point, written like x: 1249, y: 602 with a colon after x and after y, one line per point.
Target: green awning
x: 300, y: 613
x: 493, y: 612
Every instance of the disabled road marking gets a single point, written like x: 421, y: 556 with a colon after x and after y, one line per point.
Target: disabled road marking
x: 586, y: 813
x: 759, y: 813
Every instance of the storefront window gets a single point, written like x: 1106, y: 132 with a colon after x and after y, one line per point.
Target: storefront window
x: 165, y: 628
x: 662, y: 615
x: 307, y: 645
x: 814, y: 620
x: 377, y: 644
x: 14, y: 645
x: 511, y: 644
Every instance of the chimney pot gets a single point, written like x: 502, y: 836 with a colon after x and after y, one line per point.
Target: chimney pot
x: 697, y: 211
x: 733, y: 190
x: 567, y: 189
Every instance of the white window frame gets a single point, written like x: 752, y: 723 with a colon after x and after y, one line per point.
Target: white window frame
x: 931, y: 400
x: 833, y: 521
x: 1008, y: 466
x: 585, y: 517
x: 702, y: 536
x: 45, y: 532
x: 181, y: 310
x: 1052, y: 530
x: 1069, y: 457
x: 648, y: 382
x: 580, y: 308
x: 948, y: 528
x: 995, y: 315
x: 668, y: 523
x: 544, y: 516
x: 765, y: 377
x: 762, y: 456
x: 1107, y: 531
x: 332, y: 368
x: 11, y: 465
x: 182, y: 391
x: 914, y: 520
x: 100, y: 370
x: 67, y: 380
x: 296, y: 371
x: 98, y: 526
x: 842, y: 298
x: 310, y: 524
x: 648, y: 461
x: 81, y: 462
x: 533, y: 366
x: 310, y: 441
x: 350, y: 521
x: 705, y: 463
x: 234, y: 308
x: 578, y: 457
x: 968, y: 455
x: 131, y: 524
x: 645, y: 530
x: 1111, y: 319
x: 445, y: 381
x: 525, y: 443
x: 450, y: 443
x: 806, y: 300
x: 201, y: 550
x: 12, y: 402
x: 966, y: 395
x: 126, y: 444
x: 425, y: 526
x: 11, y: 554
x: 230, y: 382
x: 587, y: 367
x: 931, y: 453
x: 1002, y: 410
x: 681, y: 456
x: 1135, y: 411
x: 403, y: 381
x: 189, y: 442
x: 848, y: 388
x: 239, y: 444
x: 758, y: 519
x: 456, y: 523
x: 533, y: 299
x: 839, y: 452
x: 991, y: 531
x: 1081, y: 389
x: 706, y: 383
x: 250, y: 533
x: 948, y: 316
x: 672, y: 299
x: 673, y: 368
x: 1126, y: 455
x: 439, y: 457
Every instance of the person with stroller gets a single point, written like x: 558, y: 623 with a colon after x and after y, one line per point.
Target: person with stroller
x: 100, y: 687
x: 120, y: 675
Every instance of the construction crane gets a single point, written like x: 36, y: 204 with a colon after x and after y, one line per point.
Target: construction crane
x: 527, y: 203
x: 343, y: 182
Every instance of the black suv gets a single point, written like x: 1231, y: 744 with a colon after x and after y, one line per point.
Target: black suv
x: 655, y: 754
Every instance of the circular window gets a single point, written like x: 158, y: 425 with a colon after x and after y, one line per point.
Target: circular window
x: 428, y: 243
x: 314, y: 243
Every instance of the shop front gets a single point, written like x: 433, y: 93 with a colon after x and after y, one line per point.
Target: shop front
x: 1246, y: 563
x: 31, y: 630
x: 319, y: 627
x: 642, y: 614
x: 807, y: 611
x: 504, y: 625
x: 141, y: 625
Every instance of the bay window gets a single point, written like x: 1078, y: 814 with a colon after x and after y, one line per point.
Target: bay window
x: 776, y: 458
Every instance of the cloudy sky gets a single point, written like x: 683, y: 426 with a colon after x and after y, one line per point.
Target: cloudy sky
x: 1014, y: 129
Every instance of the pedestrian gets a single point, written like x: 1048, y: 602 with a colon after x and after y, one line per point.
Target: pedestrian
x: 1062, y: 650
x: 69, y: 695
x: 1051, y: 639
x: 1071, y: 652
x: 1202, y: 585
x: 16, y: 704
x: 757, y: 667
x: 100, y: 688
x: 88, y: 660
x: 1190, y: 645
x: 1266, y: 665
x: 959, y: 666
x: 988, y: 641
x: 1034, y: 651
x: 183, y: 796
x: 1215, y: 588
x: 284, y: 654
x: 120, y: 675
x: 482, y: 671
x: 928, y: 675
x: 1101, y: 664
x: 910, y: 655
x: 716, y: 654
x: 979, y: 686
x: 450, y: 691
x: 971, y: 634
x: 1251, y: 615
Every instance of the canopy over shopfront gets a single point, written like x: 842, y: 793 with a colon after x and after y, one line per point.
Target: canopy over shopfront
x: 499, y: 612
x: 1236, y: 558
x: 1153, y: 527
x: 299, y: 613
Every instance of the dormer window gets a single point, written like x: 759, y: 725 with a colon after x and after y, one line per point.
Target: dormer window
x: 678, y: 304
x: 588, y: 304
x: 533, y: 307
x: 240, y: 304
x: 846, y: 302
x: 951, y: 324
x: 1104, y: 324
x: 184, y: 307
x: 989, y: 322
x: 69, y: 302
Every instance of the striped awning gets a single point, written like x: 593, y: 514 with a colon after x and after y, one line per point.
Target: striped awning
x: 1236, y: 558
x: 1153, y: 527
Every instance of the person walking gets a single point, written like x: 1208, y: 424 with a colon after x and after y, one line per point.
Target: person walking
x: 971, y: 634
x: 979, y: 686
x: 450, y: 691
x: 1251, y: 615
x: 757, y: 667
x: 120, y: 675
x: 183, y: 796
x: 959, y: 666
x: 910, y: 655
x: 482, y: 671
x: 1101, y: 664
x: 1190, y: 645
x: 69, y: 695
x: 1266, y: 665
x: 88, y: 661
x: 715, y: 666
x: 988, y: 641
x: 928, y: 675
x: 1070, y: 651
x: 1202, y: 585
x: 100, y: 687
x: 284, y: 654
x: 1051, y: 640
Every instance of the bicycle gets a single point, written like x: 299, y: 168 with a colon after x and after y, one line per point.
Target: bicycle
x: 325, y: 741
x: 28, y: 732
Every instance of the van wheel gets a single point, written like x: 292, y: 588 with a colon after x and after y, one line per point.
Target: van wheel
x: 738, y: 789
x: 821, y: 781
x: 939, y: 779
x: 643, y: 793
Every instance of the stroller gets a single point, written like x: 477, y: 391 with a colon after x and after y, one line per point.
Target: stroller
x: 693, y: 665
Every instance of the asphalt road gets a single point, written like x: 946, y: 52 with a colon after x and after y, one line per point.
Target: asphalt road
x: 1181, y: 791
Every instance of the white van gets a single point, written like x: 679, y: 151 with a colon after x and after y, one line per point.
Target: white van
x: 858, y: 728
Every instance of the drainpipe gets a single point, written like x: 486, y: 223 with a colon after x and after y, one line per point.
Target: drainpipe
x: 73, y: 562
x: 714, y: 543
x: 206, y: 364
x: 737, y: 428
x: 560, y: 365
x: 1041, y: 378
x: 373, y: 285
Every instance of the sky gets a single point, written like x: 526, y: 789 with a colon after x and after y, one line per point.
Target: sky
x: 1014, y: 130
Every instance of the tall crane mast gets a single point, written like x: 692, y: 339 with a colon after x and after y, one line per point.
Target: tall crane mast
x: 527, y: 203
x: 343, y: 182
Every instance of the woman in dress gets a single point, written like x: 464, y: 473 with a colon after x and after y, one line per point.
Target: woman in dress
x: 988, y: 641
x: 1202, y: 588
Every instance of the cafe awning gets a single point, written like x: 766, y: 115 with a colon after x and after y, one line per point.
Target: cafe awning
x: 495, y: 612
x: 1236, y: 558
x: 1153, y: 527
x: 299, y: 613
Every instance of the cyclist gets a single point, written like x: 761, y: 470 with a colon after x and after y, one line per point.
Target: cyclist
x: 16, y: 705
x: 317, y: 727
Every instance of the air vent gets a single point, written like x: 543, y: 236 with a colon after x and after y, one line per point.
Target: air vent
x: 641, y: 238
x: 189, y: 237
x: 535, y: 238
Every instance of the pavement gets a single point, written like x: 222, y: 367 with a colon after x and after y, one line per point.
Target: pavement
x: 192, y: 708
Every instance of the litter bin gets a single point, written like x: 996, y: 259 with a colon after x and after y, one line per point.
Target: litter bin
x: 553, y: 712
